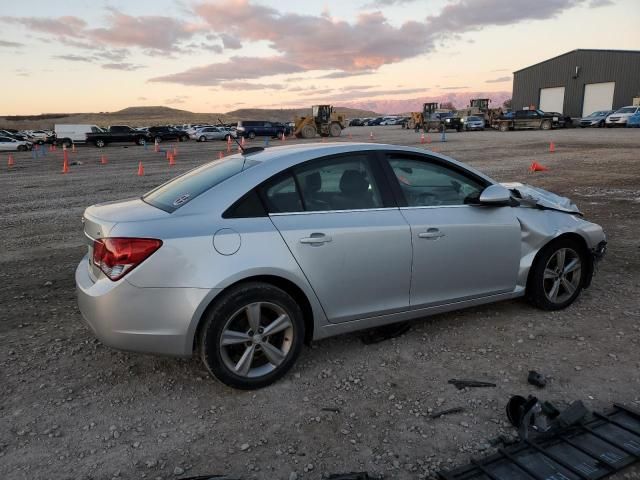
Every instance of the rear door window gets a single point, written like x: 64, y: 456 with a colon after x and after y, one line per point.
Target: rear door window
x: 281, y: 194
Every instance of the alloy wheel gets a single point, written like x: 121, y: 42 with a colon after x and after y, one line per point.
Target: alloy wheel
x: 562, y: 275
x: 256, y: 339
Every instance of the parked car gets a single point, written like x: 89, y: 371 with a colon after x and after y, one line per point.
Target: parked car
x: 68, y: 134
x: 634, y: 120
x: 245, y: 259
x: 212, y: 133
x: 450, y: 121
x: 356, y: 122
x: 389, y: 121
x: 563, y: 121
x: 527, y: 119
x: 118, y: 134
x: 595, y: 119
x: 252, y: 129
x: 620, y: 116
x: 11, y: 144
x: 41, y: 136
x: 14, y: 134
x: 473, y: 123
x: 163, y: 134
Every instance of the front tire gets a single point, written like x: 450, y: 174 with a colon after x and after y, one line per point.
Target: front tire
x: 100, y: 143
x: 202, y: 138
x: 252, y: 336
x: 546, y: 125
x: 557, y: 275
x: 252, y: 135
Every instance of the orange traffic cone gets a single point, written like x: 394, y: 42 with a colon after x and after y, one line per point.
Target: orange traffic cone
x: 103, y: 160
x: 350, y: 137
x: 552, y: 147
x: 140, y: 169
x: 284, y: 137
x: 229, y: 144
x: 10, y: 162
x: 65, y: 165
x: 220, y: 155
x: 422, y: 138
x: 428, y: 138
x: 73, y: 147
x: 172, y: 160
x: 536, y: 167
x: 156, y: 146
x: 242, y: 141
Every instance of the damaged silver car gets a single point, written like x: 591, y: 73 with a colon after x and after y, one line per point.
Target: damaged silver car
x: 241, y: 261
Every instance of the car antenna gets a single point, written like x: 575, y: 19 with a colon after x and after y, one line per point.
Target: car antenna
x: 234, y: 138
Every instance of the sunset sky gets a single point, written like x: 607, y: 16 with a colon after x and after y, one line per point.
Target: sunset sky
x: 220, y: 55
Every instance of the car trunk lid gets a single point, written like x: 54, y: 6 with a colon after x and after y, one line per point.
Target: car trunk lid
x: 100, y: 219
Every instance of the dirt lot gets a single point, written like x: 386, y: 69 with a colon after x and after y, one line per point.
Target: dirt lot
x: 72, y: 408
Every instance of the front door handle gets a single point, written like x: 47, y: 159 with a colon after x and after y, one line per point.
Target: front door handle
x: 431, y: 233
x: 316, y: 239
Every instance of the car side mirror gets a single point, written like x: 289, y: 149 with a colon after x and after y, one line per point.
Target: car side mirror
x: 495, y: 195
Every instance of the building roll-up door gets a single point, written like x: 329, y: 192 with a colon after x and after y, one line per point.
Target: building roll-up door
x: 552, y: 99
x: 597, y: 96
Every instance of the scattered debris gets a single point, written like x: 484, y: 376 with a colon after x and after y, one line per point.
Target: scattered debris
x: 447, y: 412
x: 460, y: 384
x: 574, y: 449
x: 537, y: 379
x: 330, y: 409
x: 380, y: 334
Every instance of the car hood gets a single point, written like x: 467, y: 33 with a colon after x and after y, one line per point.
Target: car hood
x: 592, y: 119
x: 537, y: 197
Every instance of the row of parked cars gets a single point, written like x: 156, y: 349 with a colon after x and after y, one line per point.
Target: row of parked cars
x: 369, y: 122
x: 625, y: 116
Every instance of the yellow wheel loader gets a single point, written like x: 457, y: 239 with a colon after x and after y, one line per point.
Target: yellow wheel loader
x: 323, y: 121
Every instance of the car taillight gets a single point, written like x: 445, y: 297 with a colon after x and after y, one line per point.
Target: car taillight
x: 118, y: 256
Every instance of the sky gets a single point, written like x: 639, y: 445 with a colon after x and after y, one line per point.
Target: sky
x: 221, y: 55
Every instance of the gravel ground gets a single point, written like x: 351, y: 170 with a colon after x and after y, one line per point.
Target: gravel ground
x: 72, y: 408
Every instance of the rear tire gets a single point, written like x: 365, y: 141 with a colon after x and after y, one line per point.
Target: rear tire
x: 252, y: 135
x: 545, y: 125
x: 100, y: 143
x: 202, y: 138
x: 558, y: 275
x: 234, y: 342
x: 503, y: 127
x: 22, y: 148
x: 140, y: 141
x: 158, y: 140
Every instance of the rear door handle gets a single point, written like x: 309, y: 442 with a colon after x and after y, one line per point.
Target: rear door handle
x: 431, y: 233
x: 316, y: 239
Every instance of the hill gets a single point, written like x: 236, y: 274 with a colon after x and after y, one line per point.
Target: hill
x: 160, y: 115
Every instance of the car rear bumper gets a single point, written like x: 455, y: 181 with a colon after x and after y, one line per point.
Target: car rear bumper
x: 150, y: 320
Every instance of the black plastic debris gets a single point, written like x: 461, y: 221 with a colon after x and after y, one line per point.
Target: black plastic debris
x: 387, y: 332
x: 350, y: 476
x: 447, y: 412
x: 588, y: 450
x: 536, y: 379
x: 460, y: 384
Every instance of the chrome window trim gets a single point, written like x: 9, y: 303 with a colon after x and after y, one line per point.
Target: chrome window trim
x: 416, y: 207
x: 280, y: 214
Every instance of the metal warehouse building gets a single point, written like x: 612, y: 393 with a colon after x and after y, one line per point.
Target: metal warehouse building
x: 580, y: 82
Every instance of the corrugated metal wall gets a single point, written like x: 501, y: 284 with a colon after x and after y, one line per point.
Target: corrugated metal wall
x: 596, y: 66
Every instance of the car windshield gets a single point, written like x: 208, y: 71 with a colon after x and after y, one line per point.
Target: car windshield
x: 598, y: 114
x: 176, y: 192
x: 474, y: 119
x: 627, y: 110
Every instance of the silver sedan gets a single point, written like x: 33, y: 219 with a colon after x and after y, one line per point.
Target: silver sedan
x: 212, y: 133
x: 243, y: 260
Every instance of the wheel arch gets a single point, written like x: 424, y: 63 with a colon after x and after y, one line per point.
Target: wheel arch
x: 579, y: 239
x: 282, y: 283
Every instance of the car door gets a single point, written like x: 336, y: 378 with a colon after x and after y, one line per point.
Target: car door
x: 461, y: 249
x: 6, y: 144
x: 350, y: 240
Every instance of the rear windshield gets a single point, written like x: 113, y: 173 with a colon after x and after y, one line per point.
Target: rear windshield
x: 177, y: 192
